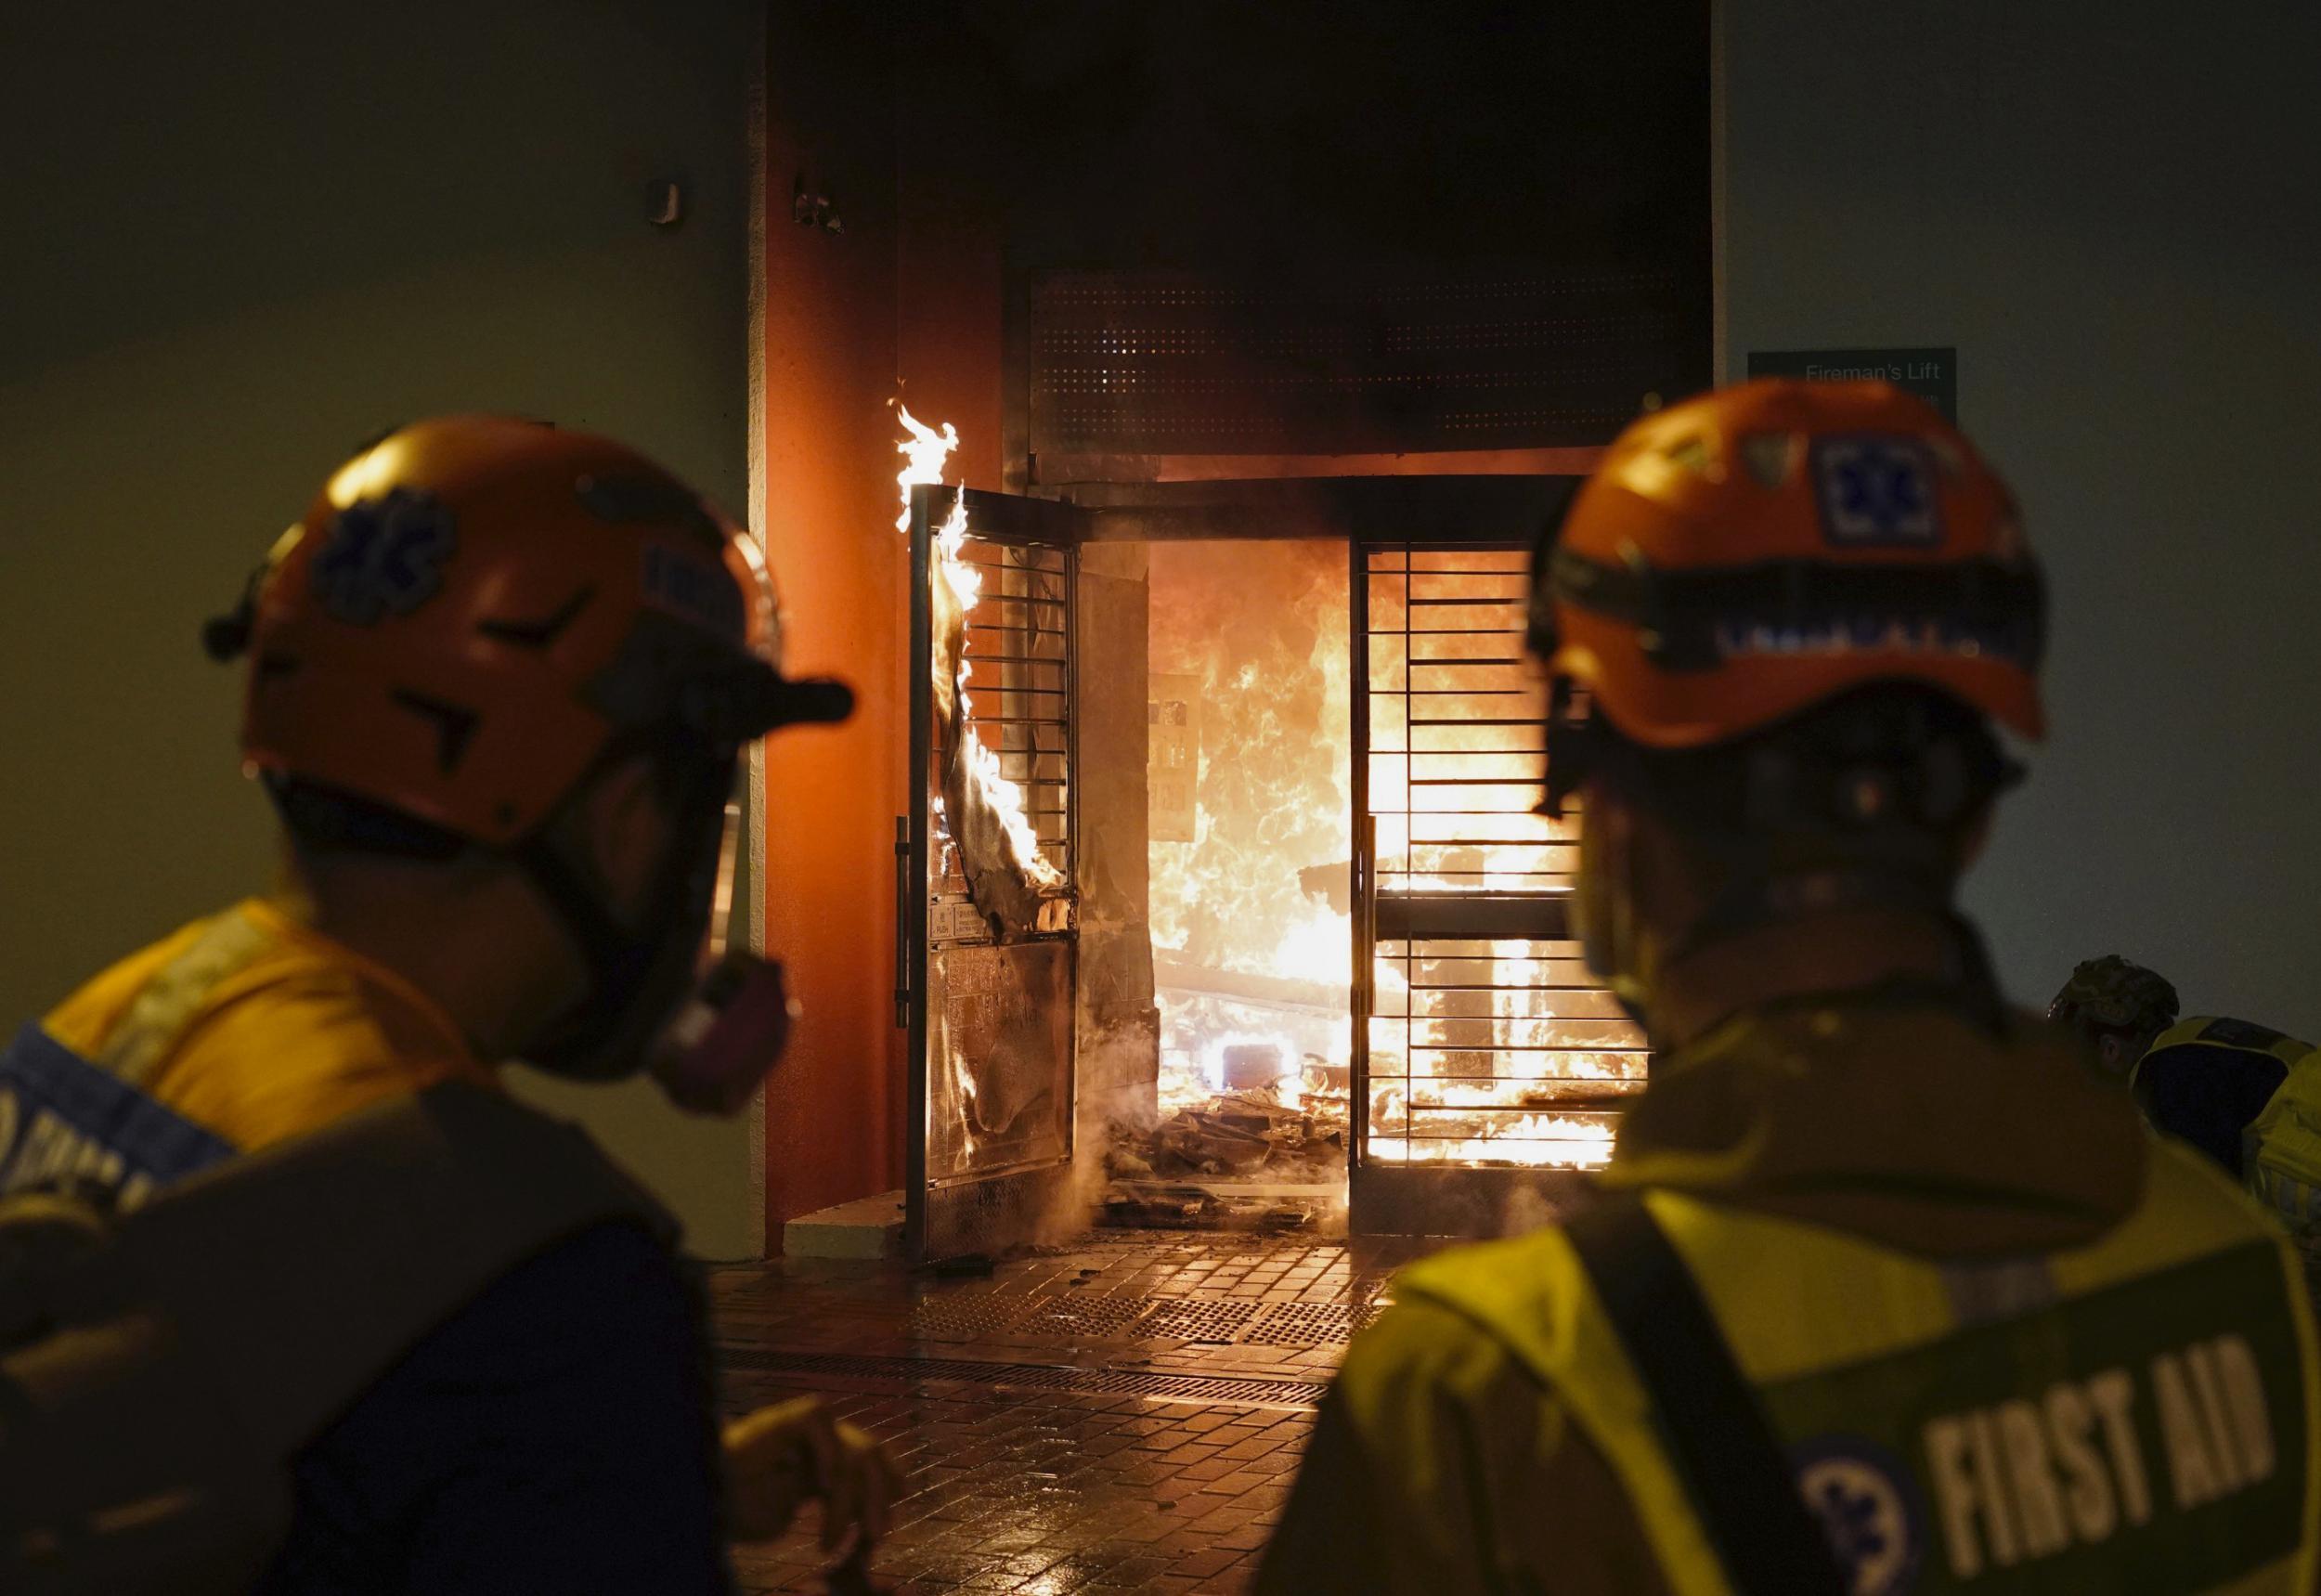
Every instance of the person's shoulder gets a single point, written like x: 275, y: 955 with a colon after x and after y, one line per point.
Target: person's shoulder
x: 84, y: 1019
x: 1522, y: 1264
x: 1422, y: 1361
x: 1470, y: 1313
x: 2223, y: 1030
x: 296, y: 1038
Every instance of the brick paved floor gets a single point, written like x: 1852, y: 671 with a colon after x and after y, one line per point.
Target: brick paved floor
x: 1125, y: 1415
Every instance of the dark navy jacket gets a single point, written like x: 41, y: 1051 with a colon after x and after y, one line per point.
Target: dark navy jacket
x: 558, y: 1435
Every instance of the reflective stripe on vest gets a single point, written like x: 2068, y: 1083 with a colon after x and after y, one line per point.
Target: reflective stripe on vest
x: 2240, y: 1035
x: 64, y: 1120
x: 2138, y: 1416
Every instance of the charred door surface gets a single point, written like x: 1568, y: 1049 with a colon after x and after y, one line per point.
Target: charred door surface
x: 990, y: 939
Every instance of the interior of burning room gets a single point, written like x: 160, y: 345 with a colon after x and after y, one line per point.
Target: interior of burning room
x: 1487, y: 1050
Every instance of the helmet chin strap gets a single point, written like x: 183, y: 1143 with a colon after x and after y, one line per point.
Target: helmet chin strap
x: 636, y: 978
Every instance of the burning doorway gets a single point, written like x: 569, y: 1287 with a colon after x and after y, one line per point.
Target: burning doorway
x: 1250, y: 854
x: 1300, y: 947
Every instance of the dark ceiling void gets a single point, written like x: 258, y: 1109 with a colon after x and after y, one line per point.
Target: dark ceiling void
x: 1220, y: 135
x: 1324, y: 230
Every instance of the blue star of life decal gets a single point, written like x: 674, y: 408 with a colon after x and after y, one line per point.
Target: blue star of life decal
x: 1869, y: 1510
x: 383, y: 557
x: 1876, y: 491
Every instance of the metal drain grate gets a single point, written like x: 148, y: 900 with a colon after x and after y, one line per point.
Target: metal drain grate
x: 1309, y: 1324
x: 1198, y: 1319
x: 979, y: 1314
x: 1075, y: 1313
x: 1215, y: 1320
x: 914, y: 1373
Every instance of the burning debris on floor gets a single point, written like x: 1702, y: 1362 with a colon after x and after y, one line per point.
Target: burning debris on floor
x: 1240, y: 1135
x: 1268, y: 1150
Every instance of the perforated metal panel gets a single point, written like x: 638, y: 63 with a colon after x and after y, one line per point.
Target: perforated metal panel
x: 1198, y: 1318
x: 1310, y: 1324
x: 987, y: 1215
x: 999, y: 1057
x: 1135, y: 362
x: 910, y: 1374
x: 1079, y: 1314
x: 1215, y: 1320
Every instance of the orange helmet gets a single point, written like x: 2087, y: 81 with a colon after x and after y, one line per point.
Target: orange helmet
x: 475, y: 607
x: 1764, y: 548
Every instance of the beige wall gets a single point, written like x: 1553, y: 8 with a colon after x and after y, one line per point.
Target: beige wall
x: 2109, y: 209
x: 238, y: 239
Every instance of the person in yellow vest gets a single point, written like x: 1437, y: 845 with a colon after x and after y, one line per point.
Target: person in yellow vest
x: 2282, y: 1159
x: 2204, y: 1080
x: 500, y: 676
x: 1882, y: 1290
x: 2208, y: 1078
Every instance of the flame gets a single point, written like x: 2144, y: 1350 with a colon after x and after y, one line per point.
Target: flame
x: 1536, y: 1141
x: 925, y: 453
x: 1252, y: 638
x: 1255, y: 638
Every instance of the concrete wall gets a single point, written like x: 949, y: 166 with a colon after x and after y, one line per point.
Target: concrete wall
x: 238, y: 239
x: 2111, y: 212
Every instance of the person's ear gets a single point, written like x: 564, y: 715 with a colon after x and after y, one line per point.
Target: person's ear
x: 2112, y: 1051
x: 623, y: 825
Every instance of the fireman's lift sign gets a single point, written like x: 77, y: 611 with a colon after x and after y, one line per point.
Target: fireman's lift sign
x: 1932, y: 374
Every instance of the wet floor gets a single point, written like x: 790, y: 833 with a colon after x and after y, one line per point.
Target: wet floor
x: 1122, y: 1415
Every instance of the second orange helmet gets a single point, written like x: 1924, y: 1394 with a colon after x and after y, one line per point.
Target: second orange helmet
x: 1744, y: 555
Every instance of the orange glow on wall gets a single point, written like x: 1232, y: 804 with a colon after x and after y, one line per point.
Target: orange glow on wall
x: 902, y: 301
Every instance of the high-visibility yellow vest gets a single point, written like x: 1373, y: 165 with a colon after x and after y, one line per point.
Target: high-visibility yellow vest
x: 2236, y: 1035
x: 2139, y: 1415
x: 2283, y: 1162
x: 2207, y: 1080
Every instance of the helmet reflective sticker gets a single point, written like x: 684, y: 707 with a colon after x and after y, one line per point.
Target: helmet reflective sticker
x: 382, y: 556
x: 694, y: 590
x: 1876, y: 491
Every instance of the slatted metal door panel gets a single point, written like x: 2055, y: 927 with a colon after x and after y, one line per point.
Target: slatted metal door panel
x: 1483, y: 1042
x: 1018, y: 683
x: 990, y: 1006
